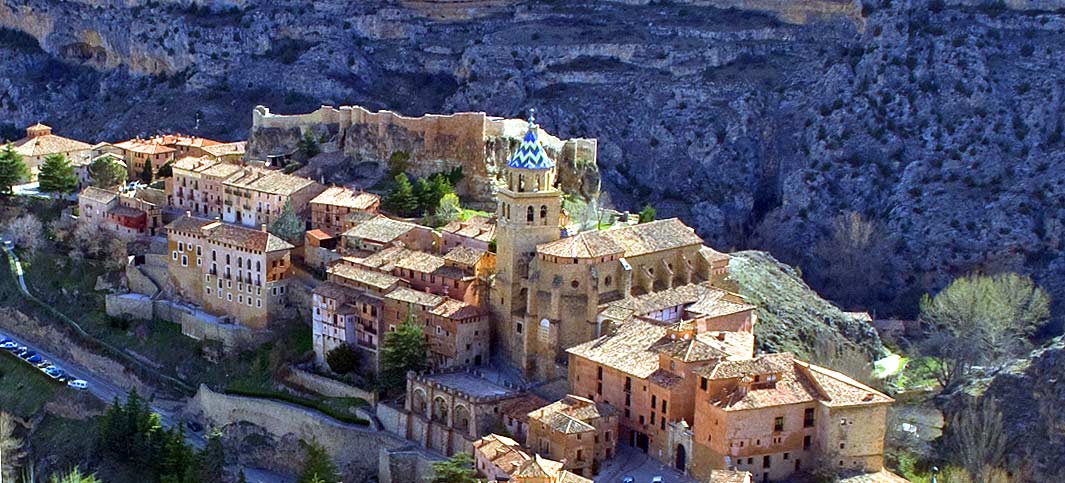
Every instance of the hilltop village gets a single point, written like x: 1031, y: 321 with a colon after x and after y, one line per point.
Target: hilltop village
x: 550, y: 345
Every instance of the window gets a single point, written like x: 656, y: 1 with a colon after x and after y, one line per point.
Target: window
x: 786, y: 456
x: 181, y: 246
x: 599, y: 373
x: 543, y: 211
x: 766, y: 461
x: 575, y: 284
x: 702, y: 383
x: 173, y: 255
x: 608, y: 280
x: 662, y: 424
x: 599, y: 388
x: 184, y: 261
x: 665, y: 405
x: 529, y: 215
x: 229, y: 297
x: 652, y: 418
x: 199, y: 250
x: 808, y: 418
x: 842, y: 445
x: 807, y: 442
x: 778, y: 424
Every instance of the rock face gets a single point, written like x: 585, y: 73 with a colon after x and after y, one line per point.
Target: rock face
x: 793, y: 318
x: 757, y: 121
x: 1030, y: 399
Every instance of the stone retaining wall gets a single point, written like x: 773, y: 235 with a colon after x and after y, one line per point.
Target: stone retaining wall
x: 326, y: 386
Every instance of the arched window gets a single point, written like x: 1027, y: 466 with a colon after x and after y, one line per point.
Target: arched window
x: 521, y: 182
x: 543, y: 214
x: 529, y: 214
x: 240, y: 262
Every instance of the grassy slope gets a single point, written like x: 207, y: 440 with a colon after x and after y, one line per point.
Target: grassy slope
x: 792, y: 317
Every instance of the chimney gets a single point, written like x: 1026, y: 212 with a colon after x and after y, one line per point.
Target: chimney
x: 263, y: 227
x: 720, y: 336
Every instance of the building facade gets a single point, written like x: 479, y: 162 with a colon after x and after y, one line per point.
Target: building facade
x: 40, y: 143
x: 127, y: 215
x: 330, y: 208
x: 579, y: 432
x: 255, y: 196
x: 228, y: 270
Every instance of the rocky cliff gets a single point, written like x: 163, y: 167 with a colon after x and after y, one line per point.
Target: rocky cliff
x: 757, y: 121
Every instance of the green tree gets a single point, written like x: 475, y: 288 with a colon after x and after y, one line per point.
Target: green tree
x: 316, y: 465
x: 74, y: 476
x: 146, y: 173
x: 440, y: 187
x: 10, y: 447
x: 403, y: 350
x: 342, y: 359
x: 308, y: 147
x: 996, y: 314
x: 12, y: 170
x: 449, y: 209
x: 213, y: 460
x: 647, y: 214
x: 166, y: 170
x: 398, y: 163
x: 456, y: 469
x: 400, y: 199
x: 288, y: 226
x: 107, y: 172
x: 57, y: 175
x: 241, y: 478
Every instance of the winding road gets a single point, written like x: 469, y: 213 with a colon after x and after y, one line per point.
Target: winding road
x: 99, y: 385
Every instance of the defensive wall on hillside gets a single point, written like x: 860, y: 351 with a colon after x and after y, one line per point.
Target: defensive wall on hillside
x: 479, y: 143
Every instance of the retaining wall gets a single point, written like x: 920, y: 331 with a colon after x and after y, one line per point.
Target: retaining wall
x: 326, y: 386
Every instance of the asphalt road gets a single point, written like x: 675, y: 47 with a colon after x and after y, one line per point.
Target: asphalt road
x: 99, y: 385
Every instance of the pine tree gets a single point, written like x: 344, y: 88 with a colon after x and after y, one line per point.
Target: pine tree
x: 57, y: 175
x: 288, y: 226
x: 456, y: 469
x: 423, y: 192
x: 449, y: 209
x: 403, y: 350
x: 166, y: 170
x: 316, y: 465
x: 146, y: 173
x: 107, y: 172
x: 400, y: 199
x: 12, y: 170
x: 308, y: 146
x: 647, y: 214
x: 213, y: 460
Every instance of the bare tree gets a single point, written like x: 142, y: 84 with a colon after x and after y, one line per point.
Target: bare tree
x: 976, y: 438
x: 10, y: 447
x: 26, y: 231
x: 851, y: 260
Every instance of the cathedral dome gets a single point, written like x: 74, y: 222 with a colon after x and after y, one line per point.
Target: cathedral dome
x: 531, y: 154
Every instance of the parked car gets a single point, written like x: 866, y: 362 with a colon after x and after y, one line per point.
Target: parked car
x: 9, y: 346
x: 5, y: 340
x: 27, y: 354
x: 64, y: 377
x: 628, y: 479
x: 34, y: 359
x: 44, y: 364
x: 78, y: 384
x: 53, y: 372
x: 657, y: 479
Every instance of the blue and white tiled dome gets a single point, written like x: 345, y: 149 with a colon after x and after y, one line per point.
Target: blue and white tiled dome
x: 530, y: 155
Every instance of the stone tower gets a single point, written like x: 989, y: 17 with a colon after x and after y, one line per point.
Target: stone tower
x: 529, y: 207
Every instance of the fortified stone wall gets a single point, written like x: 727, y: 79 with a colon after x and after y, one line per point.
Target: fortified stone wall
x: 478, y: 143
x: 326, y: 386
x: 357, y: 450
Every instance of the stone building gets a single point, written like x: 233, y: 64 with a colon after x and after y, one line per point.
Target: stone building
x: 499, y: 458
x: 427, y: 272
x: 255, y: 196
x: 371, y: 234
x: 40, y: 143
x: 196, y: 185
x: 579, y: 432
x: 228, y: 152
x: 139, y: 152
x: 449, y: 410
x: 319, y: 249
x: 476, y: 232
x: 680, y: 366
x: 127, y: 215
x: 332, y: 206
x: 457, y: 333
x: 348, y: 308
x: 228, y: 270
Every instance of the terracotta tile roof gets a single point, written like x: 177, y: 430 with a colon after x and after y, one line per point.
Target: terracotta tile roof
x: 625, y: 349
x: 380, y: 229
x: 98, y: 195
x: 456, y: 310
x: 766, y: 364
x: 362, y: 276
x: 841, y: 390
x: 144, y: 147
x: 693, y: 349
x: 46, y: 144
x: 222, y: 170
x: 189, y: 224
x: 664, y: 378
x: 193, y: 163
x: 570, y: 477
x: 571, y: 414
x: 319, y: 234
x: 538, y: 467
x: 341, y: 196
x: 717, y: 303
x: 250, y: 238
x: 419, y: 262
x: 712, y: 255
x: 477, y: 227
x: 699, y: 299
x: 267, y: 181
x: 333, y: 290
x: 411, y: 296
x: 126, y: 211
x: 630, y: 240
x: 224, y: 149
x: 464, y: 255
x: 503, y: 452
x: 520, y: 407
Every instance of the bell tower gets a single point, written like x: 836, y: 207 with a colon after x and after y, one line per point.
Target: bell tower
x: 528, y: 211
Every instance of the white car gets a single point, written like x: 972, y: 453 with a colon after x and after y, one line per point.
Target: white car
x: 78, y: 384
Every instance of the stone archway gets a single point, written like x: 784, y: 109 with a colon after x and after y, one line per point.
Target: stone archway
x: 681, y: 461
x: 418, y: 404
x: 462, y: 419
x: 440, y: 409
